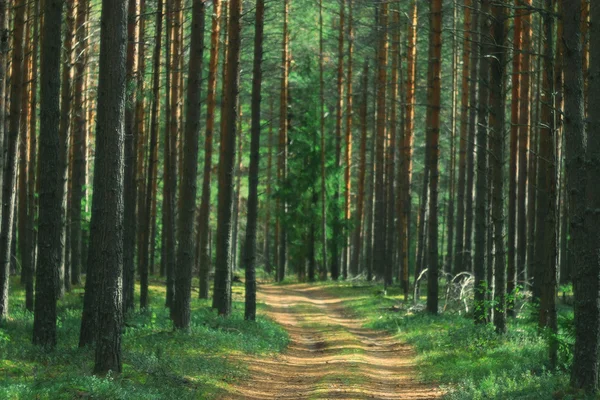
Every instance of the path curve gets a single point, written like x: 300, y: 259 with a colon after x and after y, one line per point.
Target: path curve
x: 330, y: 355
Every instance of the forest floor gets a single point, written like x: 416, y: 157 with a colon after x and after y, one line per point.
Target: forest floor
x: 330, y: 355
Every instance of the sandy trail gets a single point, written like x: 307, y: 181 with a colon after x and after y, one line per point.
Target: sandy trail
x: 330, y: 355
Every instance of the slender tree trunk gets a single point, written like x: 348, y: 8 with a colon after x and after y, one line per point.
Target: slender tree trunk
x: 227, y: 161
x: 380, y: 258
x: 360, y: 206
x: 44, y: 325
x: 65, y: 134
x: 130, y: 164
x: 4, y: 47
x: 79, y: 139
x: 348, y: 148
x: 323, y: 270
x: 204, y: 214
x: 283, y: 145
x: 268, y: 202
x: 512, y: 174
x: 185, y: 252
x: 251, y: 224
x: 524, y: 94
x: 23, y: 206
x: 496, y: 164
x: 10, y: 169
x: 152, y: 153
x: 545, y: 280
x: 464, y: 129
x: 435, y: 64
x: 481, y: 196
x: 407, y: 144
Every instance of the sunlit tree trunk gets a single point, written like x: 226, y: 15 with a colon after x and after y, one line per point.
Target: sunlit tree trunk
x: 348, y: 148
x: 204, y: 213
x: 323, y: 269
x: 380, y: 258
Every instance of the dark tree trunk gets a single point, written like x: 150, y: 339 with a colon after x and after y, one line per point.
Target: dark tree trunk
x: 496, y: 163
x: 106, y: 229
x: 44, y: 325
x: 129, y: 221
x: 481, y: 200
x: 434, y: 94
x: 251, y: 225
x: 185, y: 253
x: 10, y: 166
x: 227, y: 162
x: 583, y: 196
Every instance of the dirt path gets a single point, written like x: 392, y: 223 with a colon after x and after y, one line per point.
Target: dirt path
x: 330, y: 355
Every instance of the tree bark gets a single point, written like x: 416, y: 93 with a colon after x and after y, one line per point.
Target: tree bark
x: 227, y: 161
x: 185, y: 252
x: 106, y: 229
x: 10, y: 168
x: 44, y: 325
x: 481, y: 197
x: 204, y: 214
x: 251, y: 224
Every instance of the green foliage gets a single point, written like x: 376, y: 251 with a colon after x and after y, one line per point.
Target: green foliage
x: 157, y: 362
x: 471, y: 361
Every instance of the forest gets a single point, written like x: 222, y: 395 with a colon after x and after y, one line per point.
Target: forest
x: 267, y: 199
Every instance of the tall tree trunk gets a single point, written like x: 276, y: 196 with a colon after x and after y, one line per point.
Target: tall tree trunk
x: 130, y: 162
x: 44, y: 325
x: 227, y: 161
x: 323, y: 270
x: 79, y: 141
x: 348, y: 148
x: 65, y: 135
x: 546, y: 240
x: 406, y: 166
x: 4, y: 48
x: 379, y: 256
x: 152, y: 153
x: 362, y: 171
x: 496, y: 164
x: 185, y: 252
x: 10, y: 169
x: 283, y: 145
x: 524, y: 94
x: 464, y: 129
x: 481, y: 196
x: 268, y: 202
x: 251, y: 224
x: 106, y: 230
x: 204, y: 214
x: 511, y: 279
x: 435, y: 85
x: 390, y: 173
x: 583, y: 196
x: 23, y: 206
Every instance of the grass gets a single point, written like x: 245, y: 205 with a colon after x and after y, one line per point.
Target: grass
x: 469, y: 361
x: 157, y: 361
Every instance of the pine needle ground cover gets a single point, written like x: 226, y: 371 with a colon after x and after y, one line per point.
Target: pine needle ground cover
x: 467, y: 360
x: 157, y: 362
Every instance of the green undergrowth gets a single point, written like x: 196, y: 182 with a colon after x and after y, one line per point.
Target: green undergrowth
x: 469, y: 361
x: 158, y: 363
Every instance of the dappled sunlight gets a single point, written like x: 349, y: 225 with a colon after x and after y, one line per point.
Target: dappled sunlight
x: 330, y: 354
